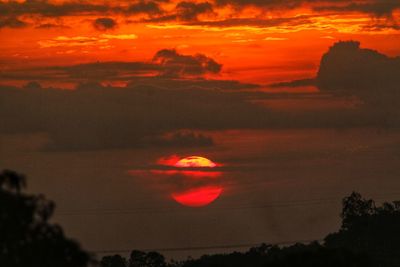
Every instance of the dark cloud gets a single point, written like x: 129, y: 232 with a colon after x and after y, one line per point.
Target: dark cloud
x: 185, y: 139
x: 12, y: 22
x: 372, y: 76
x: 103, y: 24
x: 375, y: 7
x: 262, y: 3
x: 189, y: 11
x: 382, y: 26
x: 184, y: 11
x: 47, y: 8
x: 165, y: 63
x: 254, y: 22
x: 177, y: 65
x: 96, y: 117
x: 152, y: 111
x: 295, y: 83
x: 147, y: 7
x: 50, y: 26
x: 347, y: 70
x: 93, y: 116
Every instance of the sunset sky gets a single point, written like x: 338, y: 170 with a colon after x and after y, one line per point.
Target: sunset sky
x: 294, y: 102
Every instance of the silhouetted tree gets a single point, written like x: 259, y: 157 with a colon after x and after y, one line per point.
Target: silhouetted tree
x: 143, y: 259
x: 27, y: 239
x: 298, y: 255
x: 355, y: 207
x: 113, y: 261
x: 12, y: 181
x: 370, y: 229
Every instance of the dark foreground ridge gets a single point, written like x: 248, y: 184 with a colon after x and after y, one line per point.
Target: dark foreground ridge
x: 369, y: 236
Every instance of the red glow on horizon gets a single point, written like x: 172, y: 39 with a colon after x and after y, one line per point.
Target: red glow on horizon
x: 193, y: 174
x: 168, y: 161
x: 198, y: 197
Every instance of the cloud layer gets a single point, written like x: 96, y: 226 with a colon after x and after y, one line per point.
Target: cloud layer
x: 169, y: 108
x: 204, y: 12
x: 166, y: 64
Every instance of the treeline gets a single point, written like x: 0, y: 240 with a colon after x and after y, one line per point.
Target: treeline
x: 369, y: 236
x: 297, y: 255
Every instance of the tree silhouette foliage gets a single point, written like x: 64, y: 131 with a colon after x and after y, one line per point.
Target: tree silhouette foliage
x: 314, y: 254
x: 370, y: 229
x: 143, y: 259
x: 298, y: 255
x: 113, y: 261
x: 369, y: 236
x: 27, y: 239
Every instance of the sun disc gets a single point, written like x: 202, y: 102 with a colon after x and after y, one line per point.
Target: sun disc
x: 195, y: 161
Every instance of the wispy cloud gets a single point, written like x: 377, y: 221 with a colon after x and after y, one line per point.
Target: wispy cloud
x: 269, y: 38
x: 120, y: 36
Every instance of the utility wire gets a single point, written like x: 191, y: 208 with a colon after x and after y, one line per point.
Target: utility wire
x: 144, y: 210
x: 178, y: 210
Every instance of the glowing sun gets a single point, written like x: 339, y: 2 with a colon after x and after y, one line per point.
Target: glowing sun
x: 202, y: 187
x: 195, y: 161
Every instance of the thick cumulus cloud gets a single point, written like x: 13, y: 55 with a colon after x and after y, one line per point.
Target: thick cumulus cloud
x: 347, y: 70
x: 103, y: 24
x: 368, y: 74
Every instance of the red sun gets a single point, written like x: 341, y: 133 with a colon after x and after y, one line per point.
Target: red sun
x: 198, y: 197
x: 202, y: 187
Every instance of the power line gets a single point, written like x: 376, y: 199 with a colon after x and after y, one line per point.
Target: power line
x: 164, y: 209
x: 144, y: 210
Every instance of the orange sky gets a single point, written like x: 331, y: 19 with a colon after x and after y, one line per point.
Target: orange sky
x: 255, y: 43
